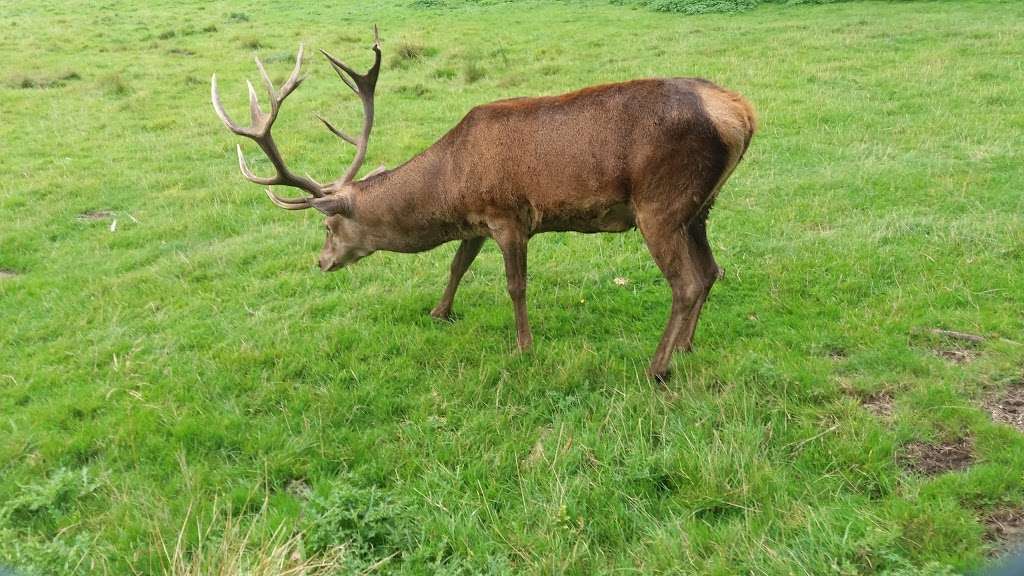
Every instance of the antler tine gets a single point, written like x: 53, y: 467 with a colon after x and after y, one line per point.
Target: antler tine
x: 359, y: 83
x: 219, y: 109
x: 288, y: 203
x: 341, y: 69
x: 337, y: 132
x: 364, y: 85
x: 293, y: 79
x: 375, y: 69
x: 249, y: 175
x: 255, y: 114
x: 271, y: 91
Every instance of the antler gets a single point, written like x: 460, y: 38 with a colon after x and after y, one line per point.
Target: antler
x: 259, y: 132
x: 261, y: 123
x: 363, y: 85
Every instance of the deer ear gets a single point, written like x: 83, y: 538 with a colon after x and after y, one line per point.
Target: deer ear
x: 334, y: 204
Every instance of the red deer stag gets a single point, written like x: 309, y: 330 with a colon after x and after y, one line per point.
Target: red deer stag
x: 649, y: 153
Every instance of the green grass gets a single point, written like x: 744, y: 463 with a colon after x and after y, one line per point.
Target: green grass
x: 191, y: 367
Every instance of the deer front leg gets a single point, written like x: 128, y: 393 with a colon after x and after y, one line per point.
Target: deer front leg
x: 512, y: 242
x: 464, y: 256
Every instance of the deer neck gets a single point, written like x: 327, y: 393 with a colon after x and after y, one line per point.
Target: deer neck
x: 403, y: 210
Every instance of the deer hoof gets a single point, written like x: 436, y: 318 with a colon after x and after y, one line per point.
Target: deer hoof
x: 661, y: 377
x: 443, y: 314
x: 525, y: 343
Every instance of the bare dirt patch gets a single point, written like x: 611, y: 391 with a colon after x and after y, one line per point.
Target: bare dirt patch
x: 95, y: 215
x: 1007, y: 407
x: 957, y: 347
x: 957, y: 355
x: 1004, y: 528
x: 33, y: 82
x: 6, y: 273
x: 929, y: 458
x: 959, y: 336
x: 878, y: 403
x: 299, y: 488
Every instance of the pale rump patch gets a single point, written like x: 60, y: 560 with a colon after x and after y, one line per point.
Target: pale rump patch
x: 732, y: 116
x: 735, y: 121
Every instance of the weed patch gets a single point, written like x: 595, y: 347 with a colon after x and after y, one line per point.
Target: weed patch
x: 379, y: 529
x: 33, y: 522
x: 367, y: 521
x: 51, y: 499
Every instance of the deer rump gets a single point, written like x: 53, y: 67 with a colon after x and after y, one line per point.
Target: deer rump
x: 649, y: 153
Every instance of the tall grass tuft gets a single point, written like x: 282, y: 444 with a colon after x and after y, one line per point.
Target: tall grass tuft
x: 473, y: 71
x: 229, y: 546
x: 114, y: 85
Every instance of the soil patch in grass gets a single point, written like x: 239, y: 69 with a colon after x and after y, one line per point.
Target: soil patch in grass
x: 1004, y: 527
x: 879, y: 404
x: 1007, y: 407
x: 958, y: 355
x: 6, y: 273
x: 300, y: 489
x: 95, y: 215
x: 929, y: 458
x: 31, y: 82
x: 957, y: 347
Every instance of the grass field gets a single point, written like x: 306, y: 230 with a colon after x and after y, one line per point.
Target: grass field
x: 171, y: 362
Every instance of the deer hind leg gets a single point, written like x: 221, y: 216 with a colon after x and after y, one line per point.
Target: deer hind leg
x: 707, y: 270
x: 674, y: 254
x: 512, y: 241
x: 464, y: 256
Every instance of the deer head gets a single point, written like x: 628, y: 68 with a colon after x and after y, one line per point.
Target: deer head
x: 343, y: 244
